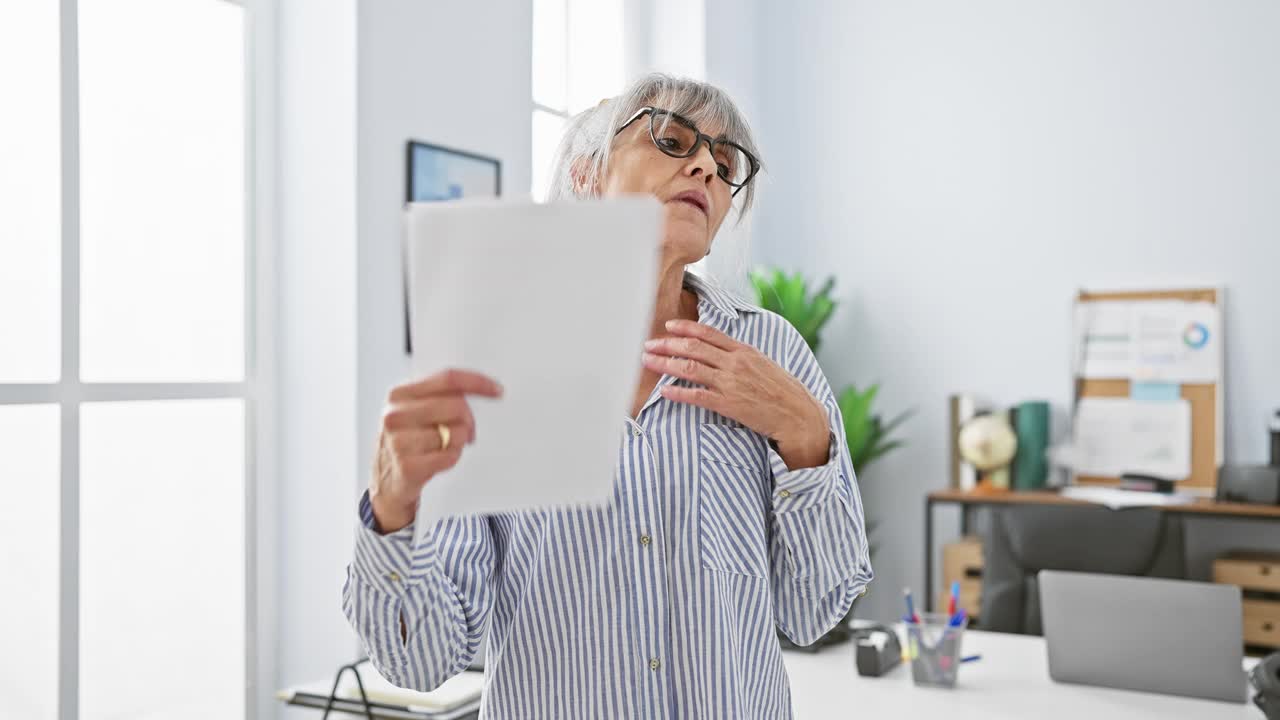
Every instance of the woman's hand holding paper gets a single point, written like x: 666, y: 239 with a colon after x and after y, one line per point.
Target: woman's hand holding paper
x: 418, y: 420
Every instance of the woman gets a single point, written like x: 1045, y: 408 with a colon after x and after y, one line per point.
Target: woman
x: 735, y: 507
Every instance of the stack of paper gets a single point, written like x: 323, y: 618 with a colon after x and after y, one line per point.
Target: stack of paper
x: 460, y: 691
x: 454, y: 692
x: 1118, y: 499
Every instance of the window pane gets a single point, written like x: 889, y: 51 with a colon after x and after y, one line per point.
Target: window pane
x: 547, y: 129
x: 163, y: 190
x: 549, y: 53
x: 29, y: 532
x: 595, y: 51
x: 162, y: 625
x: 30, y: 200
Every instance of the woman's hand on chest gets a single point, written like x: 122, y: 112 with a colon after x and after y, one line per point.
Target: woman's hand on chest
x: 740, y: 382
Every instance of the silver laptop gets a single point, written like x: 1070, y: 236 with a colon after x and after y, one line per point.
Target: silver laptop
x: 1165, y: 636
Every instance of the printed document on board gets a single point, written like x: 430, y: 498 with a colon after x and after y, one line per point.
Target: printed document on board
x: 1114, y: 436
x: 1154, y: 341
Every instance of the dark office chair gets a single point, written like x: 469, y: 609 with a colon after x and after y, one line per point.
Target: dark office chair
x: 1026, y: 539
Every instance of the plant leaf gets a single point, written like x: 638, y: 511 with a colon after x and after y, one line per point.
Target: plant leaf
x: 788, y: 296
x: 901, y: 418
x: 856, y: 409
x: 876, y: 452
x: 766, y: 290
x: 825, y: 290
x: 818, y: 314
x: 791, y: 295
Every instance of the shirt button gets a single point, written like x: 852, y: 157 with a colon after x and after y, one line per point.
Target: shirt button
x: 636, y: 431
x: 645, y: 540
x: 784, y: 494
x: 654, y: 664
x: 393, y: 577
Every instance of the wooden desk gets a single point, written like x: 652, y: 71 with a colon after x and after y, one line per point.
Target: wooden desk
x: 1203, y: 508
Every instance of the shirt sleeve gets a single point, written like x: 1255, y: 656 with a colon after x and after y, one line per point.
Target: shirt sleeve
x: 441, y: 588
x: 820, y: 554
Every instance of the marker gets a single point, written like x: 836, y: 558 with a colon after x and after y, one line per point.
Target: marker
x: 958, y: 619
x: 955, y: 596
x: 911, y: 609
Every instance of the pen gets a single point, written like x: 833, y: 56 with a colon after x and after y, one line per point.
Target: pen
x: 951, y: 602
x: 911, y: 610
x: 957, y: 619
x: 971, y: 658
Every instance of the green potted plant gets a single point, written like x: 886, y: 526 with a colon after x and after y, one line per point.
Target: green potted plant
x: 868, y: 436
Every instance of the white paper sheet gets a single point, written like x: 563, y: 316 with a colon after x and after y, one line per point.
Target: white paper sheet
x: 1165, y: 341
x: 1118, y: 499
x: 1114, y: 436
x: 1176, y: 342
x: 552, y: 301
x: 1103, y: 339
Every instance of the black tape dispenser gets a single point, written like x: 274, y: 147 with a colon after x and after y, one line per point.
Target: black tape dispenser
x: 877, y: 650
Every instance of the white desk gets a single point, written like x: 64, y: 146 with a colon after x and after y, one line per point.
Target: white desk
x: 1010, y: 681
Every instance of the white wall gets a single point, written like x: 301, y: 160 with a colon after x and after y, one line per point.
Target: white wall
x: 731, y: 62
x: 963, y: 167
x: 732, y: 55
x: 316, y: 360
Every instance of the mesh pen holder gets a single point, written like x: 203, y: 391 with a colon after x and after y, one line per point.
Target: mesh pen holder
x: 933, y: 649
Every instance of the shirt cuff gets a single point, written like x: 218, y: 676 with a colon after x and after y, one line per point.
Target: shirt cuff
x: 804, y: 488
x: 383, y: 562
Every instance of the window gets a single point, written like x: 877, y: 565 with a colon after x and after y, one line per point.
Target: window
x: 30, y: 344
x: 126, y: 375
x: 577, y: 62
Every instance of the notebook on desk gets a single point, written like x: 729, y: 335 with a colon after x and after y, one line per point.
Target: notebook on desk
x: 349, y: 708
x: 455, y: 699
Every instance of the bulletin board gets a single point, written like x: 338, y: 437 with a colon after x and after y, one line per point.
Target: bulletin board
x: 1205, y: 399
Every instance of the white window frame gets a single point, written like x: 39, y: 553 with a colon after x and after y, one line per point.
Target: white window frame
x: 564, y: 118
x: 577, y: 12
x: 256, y: 390
x: 562, y: 113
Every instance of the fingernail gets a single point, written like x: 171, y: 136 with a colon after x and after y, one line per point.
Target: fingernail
x: 651, y: 344
x: 671, y: 323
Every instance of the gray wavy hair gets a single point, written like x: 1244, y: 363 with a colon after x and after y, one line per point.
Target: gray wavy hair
x: 589, y: 134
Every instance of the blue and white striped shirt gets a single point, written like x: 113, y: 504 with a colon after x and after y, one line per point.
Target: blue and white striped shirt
x: 661, y: 604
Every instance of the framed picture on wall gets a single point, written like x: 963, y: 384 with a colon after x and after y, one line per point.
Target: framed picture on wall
x: 434, y: 173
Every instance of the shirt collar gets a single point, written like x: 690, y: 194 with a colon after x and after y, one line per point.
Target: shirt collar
x: 717, y: 299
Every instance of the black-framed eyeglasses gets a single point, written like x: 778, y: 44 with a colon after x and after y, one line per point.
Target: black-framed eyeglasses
x: 678, y: 137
